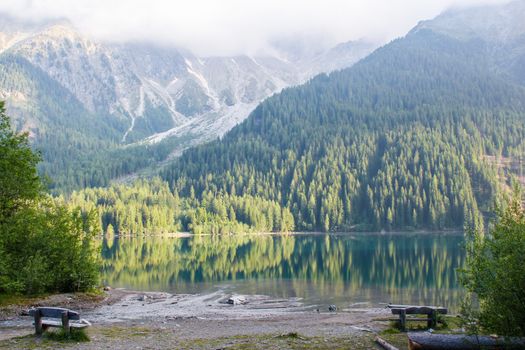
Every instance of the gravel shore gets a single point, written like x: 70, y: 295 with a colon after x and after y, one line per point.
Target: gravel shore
x: 132, y: 320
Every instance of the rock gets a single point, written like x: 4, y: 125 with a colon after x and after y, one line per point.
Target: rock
x: 332, y: 308
x: 237, y: 300
x: 24, y: 312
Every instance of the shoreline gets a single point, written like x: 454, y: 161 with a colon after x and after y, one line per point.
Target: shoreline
x: 291, y: 233
x: 207, y: 318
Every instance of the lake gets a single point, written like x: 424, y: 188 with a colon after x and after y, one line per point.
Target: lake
x: 341, y: 269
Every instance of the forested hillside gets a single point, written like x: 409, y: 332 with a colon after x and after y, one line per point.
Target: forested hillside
x: 149, y: 206
x: 101, y: 110
x: 397, y: 141
x: 79, y: 148
x: 407, y: 138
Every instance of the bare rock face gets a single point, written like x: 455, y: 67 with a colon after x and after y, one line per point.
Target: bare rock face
x: 151, y: 92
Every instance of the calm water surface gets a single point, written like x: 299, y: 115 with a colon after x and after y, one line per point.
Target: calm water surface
x: 342, y: 269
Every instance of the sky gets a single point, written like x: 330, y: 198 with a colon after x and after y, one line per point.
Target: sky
x: 228, y: 27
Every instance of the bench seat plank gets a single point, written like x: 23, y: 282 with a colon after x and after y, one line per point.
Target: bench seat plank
x: 58, y: 324
x: 55, y: 312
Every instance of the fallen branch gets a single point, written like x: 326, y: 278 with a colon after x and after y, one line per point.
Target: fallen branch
x: 386, y: 345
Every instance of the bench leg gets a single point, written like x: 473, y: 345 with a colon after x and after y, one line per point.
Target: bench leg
x: 432, y: 319
x: 403, y: 320
x: 65, y: 323
x: 38, y: 323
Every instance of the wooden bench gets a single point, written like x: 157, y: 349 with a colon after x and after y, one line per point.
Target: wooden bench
x: 431, y: 313
x: 44, y: 319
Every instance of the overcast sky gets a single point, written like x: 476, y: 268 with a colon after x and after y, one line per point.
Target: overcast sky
x: 225, y: 27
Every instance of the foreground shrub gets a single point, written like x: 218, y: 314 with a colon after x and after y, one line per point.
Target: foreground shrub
x: 495, y: 273
x: 44, y: 246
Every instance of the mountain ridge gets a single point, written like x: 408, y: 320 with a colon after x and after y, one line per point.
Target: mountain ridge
x: 398, y: 141
x: 149, y: 95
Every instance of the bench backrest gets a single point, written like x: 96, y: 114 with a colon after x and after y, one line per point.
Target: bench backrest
x: 411, y: 310
x: 55, y: 312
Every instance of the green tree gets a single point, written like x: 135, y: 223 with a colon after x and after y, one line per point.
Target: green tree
x: 44, y: 245
x: 495, y: 272
x: 19, y: 181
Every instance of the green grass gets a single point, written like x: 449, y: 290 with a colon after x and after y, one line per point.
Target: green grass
x: 445, y: 325
x: 391, y: 330
x: 117, y: 336
x: 49, y: 340
x: 17, y: 299
x: 292, y: 340
x: 21, y: 299
x: 76, y: 335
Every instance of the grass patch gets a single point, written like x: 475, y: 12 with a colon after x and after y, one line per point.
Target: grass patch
x: 17, y: 299
x: 399, y: 340
x: 126, y: 332
x: 391, y: 330
x: 291, y: 340
x: 76, y: 335
x: 445, y: 324
x: 450, y: 324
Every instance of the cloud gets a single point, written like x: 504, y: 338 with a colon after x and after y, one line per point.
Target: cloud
x: 226, y: 27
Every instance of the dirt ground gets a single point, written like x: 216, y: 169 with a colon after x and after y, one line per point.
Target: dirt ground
x: 131, y: 320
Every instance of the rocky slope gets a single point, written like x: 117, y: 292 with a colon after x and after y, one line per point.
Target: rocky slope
x: 154, y: 92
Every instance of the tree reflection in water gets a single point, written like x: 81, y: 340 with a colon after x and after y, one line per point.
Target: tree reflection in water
x: 346, y: 268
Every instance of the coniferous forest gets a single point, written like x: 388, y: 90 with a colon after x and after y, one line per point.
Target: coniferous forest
x: 405, y: 139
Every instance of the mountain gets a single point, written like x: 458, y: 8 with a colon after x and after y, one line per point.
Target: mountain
x: 137, y: 94
x: 499, y: 28
x: 405, y: 138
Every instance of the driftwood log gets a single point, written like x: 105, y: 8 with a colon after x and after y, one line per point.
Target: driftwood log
x: 386, y: 345
x: 429, y: 341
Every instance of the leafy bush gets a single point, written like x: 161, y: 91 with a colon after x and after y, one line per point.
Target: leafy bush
x: 44, y: 246
x: 495, y: 273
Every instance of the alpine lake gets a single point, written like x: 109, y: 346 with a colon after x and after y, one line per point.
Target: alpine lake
x: 365, y: 269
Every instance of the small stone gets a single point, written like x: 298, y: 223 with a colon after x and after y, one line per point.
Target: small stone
x: 237, y: 300
x: 24, y: 312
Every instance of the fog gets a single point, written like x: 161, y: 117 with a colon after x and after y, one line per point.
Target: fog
x: 227, y: 27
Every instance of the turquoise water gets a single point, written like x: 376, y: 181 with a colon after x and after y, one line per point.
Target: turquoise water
x: 319, y: 268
